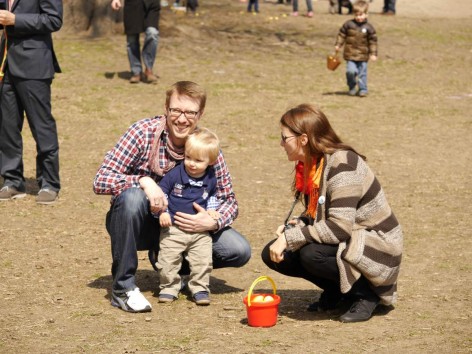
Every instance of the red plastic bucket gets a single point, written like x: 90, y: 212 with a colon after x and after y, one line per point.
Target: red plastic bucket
x: 262, y: 314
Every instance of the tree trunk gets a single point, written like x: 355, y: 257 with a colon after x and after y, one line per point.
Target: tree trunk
x: 94, y: 17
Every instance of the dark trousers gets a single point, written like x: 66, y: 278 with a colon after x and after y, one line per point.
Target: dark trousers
x: 20, y: 97
x: 252, y: 3
x: 389, y: 6
x: 133, y: 228
x: 316, y: 263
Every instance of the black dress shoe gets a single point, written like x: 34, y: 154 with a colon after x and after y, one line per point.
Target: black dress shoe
x: 360, y: 311
x: 328, y: 300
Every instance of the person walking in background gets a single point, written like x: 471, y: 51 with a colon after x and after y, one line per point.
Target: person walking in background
x: 360, y: 44
x: 251, y: 3
x: 309, y: 7
x: 141, y: 16
x: 348, y: 241
x: 193, y: 181
x: 27, y: 71
x: 389, y: 7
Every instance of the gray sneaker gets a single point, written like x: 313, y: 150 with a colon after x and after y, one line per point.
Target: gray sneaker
x: 131, y: 301
x: 10, y: 193
x: 46, y: 196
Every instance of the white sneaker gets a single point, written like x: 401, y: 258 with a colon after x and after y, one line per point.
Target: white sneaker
x: 131, y: 301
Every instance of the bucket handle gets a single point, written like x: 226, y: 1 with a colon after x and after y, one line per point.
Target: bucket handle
x: 254, y: 283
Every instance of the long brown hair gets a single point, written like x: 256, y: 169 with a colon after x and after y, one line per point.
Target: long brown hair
x: 322, y: 139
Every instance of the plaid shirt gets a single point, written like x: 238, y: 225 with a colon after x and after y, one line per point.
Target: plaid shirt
x: 127, y: 162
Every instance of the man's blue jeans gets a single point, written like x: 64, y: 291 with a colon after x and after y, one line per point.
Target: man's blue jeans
x: 132, y: 228
x: 356, y: 70
x: 151, y: 41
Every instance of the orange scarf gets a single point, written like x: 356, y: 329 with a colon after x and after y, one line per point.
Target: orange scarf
x: 309, y: 186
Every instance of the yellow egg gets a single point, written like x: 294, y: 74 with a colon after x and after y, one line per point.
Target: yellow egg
x: 268, y: 298
x: 258, y: 298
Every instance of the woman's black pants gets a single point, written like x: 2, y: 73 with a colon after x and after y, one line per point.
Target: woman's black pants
x: 316, y: 263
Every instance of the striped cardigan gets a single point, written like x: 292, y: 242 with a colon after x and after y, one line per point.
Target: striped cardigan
x: 353, y: 213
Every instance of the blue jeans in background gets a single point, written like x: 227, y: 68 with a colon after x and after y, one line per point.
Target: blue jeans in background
x: 151, y: 41
x: 133, y: 228
x: 356, y: 73
x: 309, y: 5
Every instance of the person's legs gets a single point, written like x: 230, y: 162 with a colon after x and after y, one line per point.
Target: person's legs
x: 131, y: 227
x: 295, y: 6
x: 292, y: 266
x: 11, y: 141
x: 230, y: 249
x: 309, y: 6
x: 199, y: 255
x: 362, y: 77
x: 172, y: 245
x: 36, y: 100
x: 151, y: 42
x: 351, y: 76
x: 391, y: 5
x: 134, y: 54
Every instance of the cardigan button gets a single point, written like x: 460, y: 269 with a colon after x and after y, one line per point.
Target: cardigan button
x: 321, y: 200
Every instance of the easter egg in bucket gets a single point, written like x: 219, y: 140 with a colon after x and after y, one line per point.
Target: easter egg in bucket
x: 262, y: 309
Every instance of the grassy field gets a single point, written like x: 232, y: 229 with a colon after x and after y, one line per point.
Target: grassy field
x: 414, y: 127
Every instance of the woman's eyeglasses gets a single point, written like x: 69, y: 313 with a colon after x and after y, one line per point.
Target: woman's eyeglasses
x: 176, y: 112
x: 285, y: 138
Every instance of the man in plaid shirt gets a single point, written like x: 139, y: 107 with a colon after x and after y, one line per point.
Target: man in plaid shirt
x: 131, y: 172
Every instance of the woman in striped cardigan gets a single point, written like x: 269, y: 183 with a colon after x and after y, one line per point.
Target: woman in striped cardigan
x: 347, y: 241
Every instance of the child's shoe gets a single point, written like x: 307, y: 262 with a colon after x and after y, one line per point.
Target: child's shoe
x: 166, y: 298
x: 363, y: 94
x: 352, y: 92
x: 202, y: 298
x: 310, y: 14
x: 295, y: 13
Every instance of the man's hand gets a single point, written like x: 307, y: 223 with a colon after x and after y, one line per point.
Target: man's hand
x: 116, y: 5
x: 279, y: 246
x: 165, y: 220
x: 155, y: 195
x: 199, y: 222
x: 7, y: 18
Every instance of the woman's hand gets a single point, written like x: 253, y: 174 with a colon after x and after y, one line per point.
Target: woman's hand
x: 155, y: 195
x: 199, y: 222
x: 279, y: 246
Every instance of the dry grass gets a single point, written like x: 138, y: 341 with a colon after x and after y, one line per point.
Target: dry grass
x: 414, y: 127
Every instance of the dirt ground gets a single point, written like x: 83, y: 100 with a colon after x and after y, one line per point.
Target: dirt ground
x: 414, y: 127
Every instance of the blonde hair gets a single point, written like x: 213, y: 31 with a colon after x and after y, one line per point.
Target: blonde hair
x: 203, y: 143
x: 190, y: 89
x: 360, y: 6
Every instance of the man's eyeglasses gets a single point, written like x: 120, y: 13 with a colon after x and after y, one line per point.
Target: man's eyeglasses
x: 285, y: 138
x: 176, y: 112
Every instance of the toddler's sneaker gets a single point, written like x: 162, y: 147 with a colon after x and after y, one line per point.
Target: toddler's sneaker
x: 202, y: 298
x: 363, y: 94
x: 166, y: 298
x: 295, y: 13
x: 131, y: 301
x: 310, y: 14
